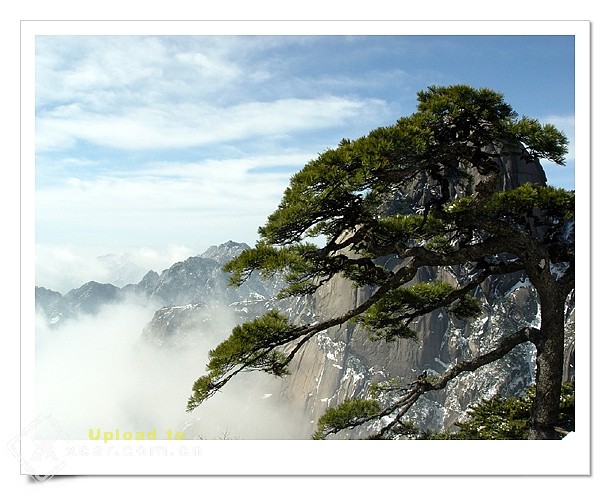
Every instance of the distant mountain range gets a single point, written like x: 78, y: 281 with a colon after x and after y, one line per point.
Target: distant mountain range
x: 185, y: 288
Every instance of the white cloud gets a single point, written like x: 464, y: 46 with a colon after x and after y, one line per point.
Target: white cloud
x: 60, y: 268
x: 72, y: 68
x: 106, y: 105
x: 232, y: 186
x: 562, y: 176
x: 214, y: 71
x: 135, y: 93
x: 95, y: 372
x: 175, y: 126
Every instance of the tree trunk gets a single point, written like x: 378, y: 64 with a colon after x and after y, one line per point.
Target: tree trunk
x: 549, y: 364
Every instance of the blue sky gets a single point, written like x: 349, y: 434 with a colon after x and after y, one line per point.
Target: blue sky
x: 161, y: 146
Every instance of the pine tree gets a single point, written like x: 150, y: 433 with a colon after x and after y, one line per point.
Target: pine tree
x: 334, y: 220
x: 506, y: 418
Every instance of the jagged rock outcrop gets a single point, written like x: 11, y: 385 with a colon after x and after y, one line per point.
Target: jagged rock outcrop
x: 51, y: 304
x: 88, y: 298
x: 200, y: 300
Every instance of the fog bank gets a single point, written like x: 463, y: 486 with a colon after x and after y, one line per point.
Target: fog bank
x: 96, y: 372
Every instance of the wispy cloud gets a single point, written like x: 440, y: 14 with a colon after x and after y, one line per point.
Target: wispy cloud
x: 563, y: 176
x: 140, y: 92
x: 193, y: 203
x: 193, y: 124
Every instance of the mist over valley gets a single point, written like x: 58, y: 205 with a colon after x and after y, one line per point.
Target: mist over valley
x: 110, y: 357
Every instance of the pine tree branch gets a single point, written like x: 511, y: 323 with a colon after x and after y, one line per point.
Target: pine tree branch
x: 413, y: 391
x: 424, y: 385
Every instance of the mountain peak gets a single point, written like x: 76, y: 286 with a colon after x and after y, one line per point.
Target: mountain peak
x: 224, y: 252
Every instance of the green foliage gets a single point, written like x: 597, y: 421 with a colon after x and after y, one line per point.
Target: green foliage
x: 399, y: 226
x: 389, y: 318
x: 459, y: 205
x: 498, y: 418
x: 405, y: 230
x: 202, y: 389
x: 250, y: 345
x: 544, y: 141
x: 507, y: 418
x: 378, y: 389
x: 554, y: 202
x: 425, y: 294
x: 345, y: 415
x: 268, y: 260
x: 465, y: 104
x: 466, y: 307
x: 324, y: 198
x: 247, y: 340
x: 338, y: 195
x: 343, y: 187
